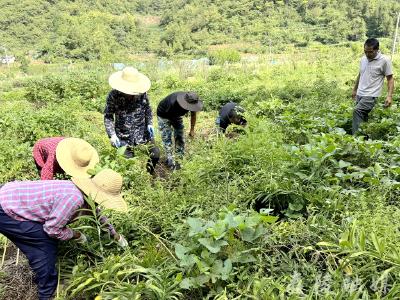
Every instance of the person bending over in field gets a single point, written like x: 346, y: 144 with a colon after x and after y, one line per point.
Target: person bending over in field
x: 374, y: 67
x: 57, y: 155
x: 230, y: 113
x: 34, y: 215
x: 169, y: 115
x: 128, y: 117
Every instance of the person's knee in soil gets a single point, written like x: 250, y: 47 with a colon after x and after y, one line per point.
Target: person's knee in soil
x: 170, y: 111
x: 36, y: 227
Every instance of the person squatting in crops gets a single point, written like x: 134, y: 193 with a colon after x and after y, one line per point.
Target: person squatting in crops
x: 49, y: 161
x: 169, y: 115
x: 34, y: 216
x: 128, y: 117
x: 374, y: 67
x: 230, y: 113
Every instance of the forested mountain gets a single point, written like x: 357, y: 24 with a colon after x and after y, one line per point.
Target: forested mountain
x: 95, y: 29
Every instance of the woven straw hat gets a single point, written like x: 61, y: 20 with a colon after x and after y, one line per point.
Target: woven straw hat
x: 104, y: 188
x: 76, y: 156
x: 129, y: 81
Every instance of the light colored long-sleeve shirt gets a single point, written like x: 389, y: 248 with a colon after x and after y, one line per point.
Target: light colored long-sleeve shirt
x: 54, y: 203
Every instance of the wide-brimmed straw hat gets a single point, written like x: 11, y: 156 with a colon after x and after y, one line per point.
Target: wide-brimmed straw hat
x: 104, y: 188
x: 76, y: 156
x: 129, y: 81
x: 190, y: 101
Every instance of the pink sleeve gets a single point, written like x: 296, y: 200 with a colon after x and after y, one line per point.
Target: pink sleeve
x: 60, y: 216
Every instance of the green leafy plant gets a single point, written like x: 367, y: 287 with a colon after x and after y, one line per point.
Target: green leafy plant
x: 215, y: 250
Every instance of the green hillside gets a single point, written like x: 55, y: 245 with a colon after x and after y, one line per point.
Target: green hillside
x: 90, y: 30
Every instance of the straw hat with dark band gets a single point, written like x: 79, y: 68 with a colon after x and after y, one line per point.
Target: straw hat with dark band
x: 76, y: 156
x: 189, y: 101
x: 104, y: 188
x: 129, y: 81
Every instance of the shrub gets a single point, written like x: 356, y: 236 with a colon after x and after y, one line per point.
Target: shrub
x: 220, y: 57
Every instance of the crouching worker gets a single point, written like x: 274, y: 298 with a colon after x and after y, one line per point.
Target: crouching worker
x: 54, y: 155
x: 230, y: 113
x: 34, y: 215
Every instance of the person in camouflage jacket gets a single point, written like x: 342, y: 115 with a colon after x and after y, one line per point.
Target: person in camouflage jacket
x: 128, y: 118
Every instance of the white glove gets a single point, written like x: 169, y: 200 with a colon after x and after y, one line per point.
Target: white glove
x: 115, y: 141
x: 122, y: 241
x: 150, y: 129
x: 82, y: 239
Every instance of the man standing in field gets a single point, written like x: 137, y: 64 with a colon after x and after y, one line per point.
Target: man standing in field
x: 169, y: 115
x: 374, y: 67
x: 129, y: 104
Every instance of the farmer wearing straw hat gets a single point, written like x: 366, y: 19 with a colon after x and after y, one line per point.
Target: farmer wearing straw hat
x: 53, y: 155
x: 169, y: 115
x: 127, y: 116
x: 34, y: 215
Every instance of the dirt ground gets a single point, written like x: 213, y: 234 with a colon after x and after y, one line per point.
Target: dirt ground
x: 16, y: 281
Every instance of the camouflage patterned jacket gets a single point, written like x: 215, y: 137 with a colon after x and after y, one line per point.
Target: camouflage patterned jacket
x: 131, y: 117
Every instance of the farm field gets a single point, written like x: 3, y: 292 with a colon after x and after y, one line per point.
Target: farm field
x: 290, y: 207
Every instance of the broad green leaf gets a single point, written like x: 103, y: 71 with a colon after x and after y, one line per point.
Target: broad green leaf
x: 247, y: 234
x: 180, y: 251
x: 343, y: 164
x: 296, y: 205
x: 202, y: 265
x: 121, y: 151
x: 227, y: 269
x: 218, y: 231
x: 253, y: 220
x: 188, y: 261
x: 199, y: 281
x: 217, y: 267
x: 339, y: 174
x: 211, y: 245
x: 231, y: 221
x: 244, y: 258
x: 179, y: 277
x: 196, y: 226
x: 269, y: 219
x: 186, y: 284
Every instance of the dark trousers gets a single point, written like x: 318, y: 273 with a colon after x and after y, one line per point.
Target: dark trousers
x: 154, y: 157
x: 38, y: 247
x: 364, y: 105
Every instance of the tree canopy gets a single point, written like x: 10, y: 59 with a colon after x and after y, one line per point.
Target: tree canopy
x: 95, y: 29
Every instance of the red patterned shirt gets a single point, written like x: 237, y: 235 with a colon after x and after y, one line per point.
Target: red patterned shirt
x: 44, y: 153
